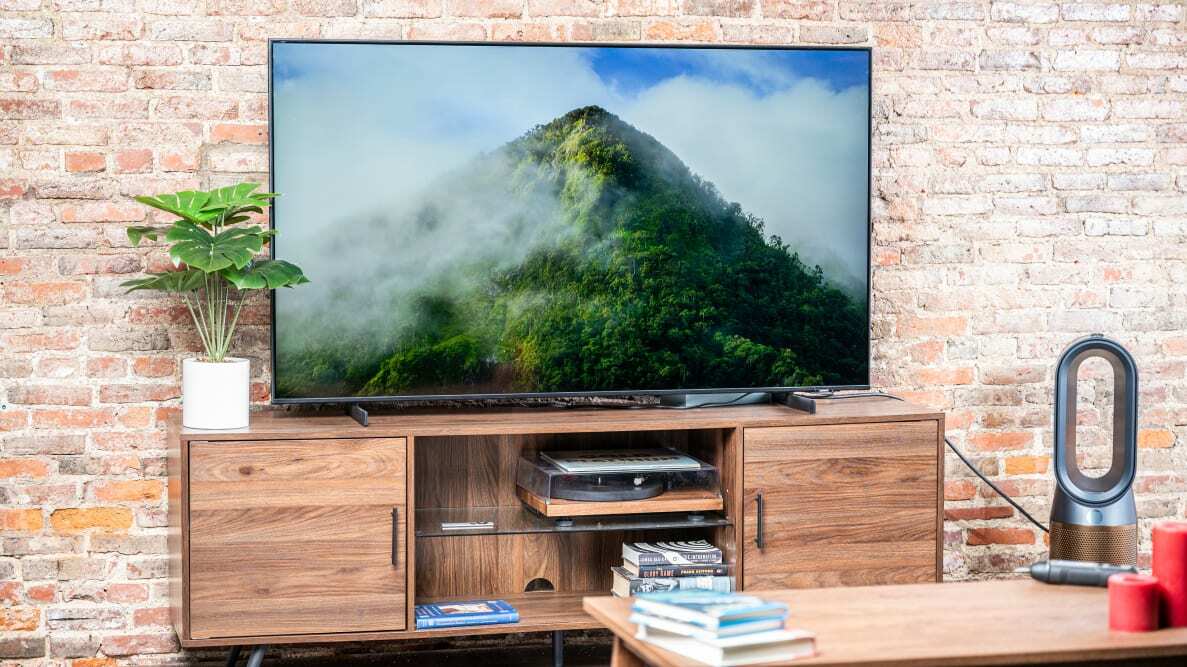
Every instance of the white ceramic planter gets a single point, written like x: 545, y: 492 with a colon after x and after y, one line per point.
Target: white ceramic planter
x: 215, y: 395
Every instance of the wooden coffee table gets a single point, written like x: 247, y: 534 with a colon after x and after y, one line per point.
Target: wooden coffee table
x: 1011, y: 622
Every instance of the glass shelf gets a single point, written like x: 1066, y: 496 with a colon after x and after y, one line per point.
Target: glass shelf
x: 519, y: 520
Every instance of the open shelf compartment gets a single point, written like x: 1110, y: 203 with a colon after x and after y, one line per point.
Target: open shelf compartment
x: 538, y: 612
x: 540, y: 566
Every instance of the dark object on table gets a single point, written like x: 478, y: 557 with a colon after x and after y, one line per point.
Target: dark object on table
x: 1076, y: 573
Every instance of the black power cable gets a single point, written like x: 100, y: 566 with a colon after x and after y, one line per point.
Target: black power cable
x: 993, y: 486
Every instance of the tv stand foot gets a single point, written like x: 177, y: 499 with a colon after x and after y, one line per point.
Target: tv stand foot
x: 804, y: 400
x: 558, y: 648
x: 257, y: 656
x: 233, y: 656
x: 357, y: 413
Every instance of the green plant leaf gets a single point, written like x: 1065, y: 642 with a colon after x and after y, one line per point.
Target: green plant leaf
x: 267, y: 274
x: 237, y: 198
x: 200, y: 249
x: 186, y: 280
x: 137, y: 233
x: 188, y: 205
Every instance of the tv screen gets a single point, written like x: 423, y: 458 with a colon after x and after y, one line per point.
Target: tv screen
x: 485, y: 220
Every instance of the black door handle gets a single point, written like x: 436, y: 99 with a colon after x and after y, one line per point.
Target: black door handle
x: 759, y: 540
x: 395, y: 535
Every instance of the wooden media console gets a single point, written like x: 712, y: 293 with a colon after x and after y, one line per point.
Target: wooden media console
x: 316, y: 529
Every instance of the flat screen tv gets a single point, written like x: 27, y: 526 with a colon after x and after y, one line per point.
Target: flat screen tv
x: 483, y: 220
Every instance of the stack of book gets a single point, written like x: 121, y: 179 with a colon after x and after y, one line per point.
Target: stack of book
x: 457, y: 614
x: 651, y: 567
x: 720, y: 628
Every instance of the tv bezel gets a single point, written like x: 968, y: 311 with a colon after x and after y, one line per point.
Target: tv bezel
x: 273, y: 217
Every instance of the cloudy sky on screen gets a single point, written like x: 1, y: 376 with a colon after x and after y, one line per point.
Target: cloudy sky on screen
x: 782, y: 132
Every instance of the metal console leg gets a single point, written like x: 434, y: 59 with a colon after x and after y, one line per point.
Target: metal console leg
x: 233, y: 657
x: 257, y: 656
x: 558, y: 648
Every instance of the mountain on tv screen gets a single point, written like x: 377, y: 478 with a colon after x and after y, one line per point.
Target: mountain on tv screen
x: 487, y: 219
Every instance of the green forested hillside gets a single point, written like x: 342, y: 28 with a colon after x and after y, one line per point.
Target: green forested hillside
x: 643, y: 278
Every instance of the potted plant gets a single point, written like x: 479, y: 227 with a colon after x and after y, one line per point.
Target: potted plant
x: 215, y: 251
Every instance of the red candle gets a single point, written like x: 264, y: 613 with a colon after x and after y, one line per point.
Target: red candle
x: 1133, y: 603
x: 1170, y: 567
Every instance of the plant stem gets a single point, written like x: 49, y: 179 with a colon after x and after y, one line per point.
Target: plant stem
x: 197, y: 322
x: 234, y: 320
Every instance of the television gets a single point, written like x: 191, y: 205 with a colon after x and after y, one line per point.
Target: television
x: 546, y: 220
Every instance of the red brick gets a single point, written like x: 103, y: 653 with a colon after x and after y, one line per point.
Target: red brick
x: 123, y: 645
x: 917, y: 327
x: 565, y: 7
x: 138, y: 393
x: 1155, y: 438
x: 107, y: 367
x: 977, y: 513
x: 83, y: 162
x: 103, y: 211
x: 501, y: 9
x: 988, y: 441
x: 129, y: 490
x: 681, y: 30
x: 12, y: 188
x: 49, y: 394
x: 121, y: 441
x: 135, y: 417
x: 13, y: 468
x: 102, y: 518
x: 947, y: 375
x: 154, y: 367
x: 159, y: 314
x: 72, y: 418
x: 74, y: 80
x: 29, y: 109
x: 239, y: 134
x: 133, y: 161
x: 12, y: 420
x: 126, y: 593
x: 10, y: 591
x: 1027, y: 465
x: 11, y: 266
x: 19, y: 619
x: 45, y: 294
x: 94, y: 662
x: 20, y: 520
x: 179, y: 161
x: 41, y: 592
x: 959, y: 489
x: 983, y: 536
x: 151, y: 616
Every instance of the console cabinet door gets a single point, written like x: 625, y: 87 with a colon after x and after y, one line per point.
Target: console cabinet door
x: 297, y: 537
x: 841, y: 505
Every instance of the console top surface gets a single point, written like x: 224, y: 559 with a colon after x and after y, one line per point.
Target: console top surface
x: 292, y: 424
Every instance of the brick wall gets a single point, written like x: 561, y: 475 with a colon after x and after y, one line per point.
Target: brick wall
x: 1030, y: 186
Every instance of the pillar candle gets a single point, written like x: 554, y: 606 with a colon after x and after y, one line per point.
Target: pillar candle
x: 1133, y: 602
x: 1170, y: 567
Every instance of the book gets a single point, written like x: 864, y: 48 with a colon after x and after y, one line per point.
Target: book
x: 690, y: 630
x: 751, y: 649
x: 455, y: 614
x: 699, y: 570
x: 626, y: 585
x: 706, y: 609
x: 670, y: 553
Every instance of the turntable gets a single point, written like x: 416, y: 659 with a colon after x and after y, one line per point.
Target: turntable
x: 621, y: 481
